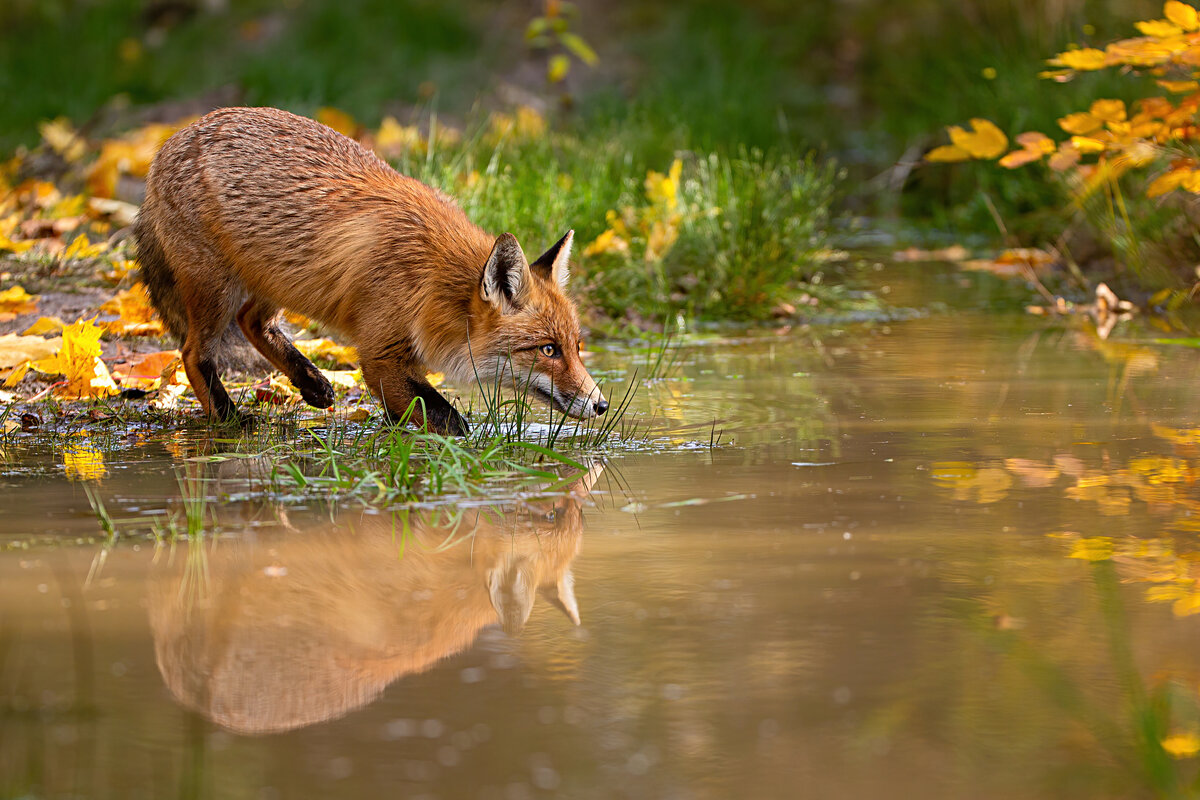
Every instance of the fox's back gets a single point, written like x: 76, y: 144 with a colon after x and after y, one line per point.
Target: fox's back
x: 294, y: 207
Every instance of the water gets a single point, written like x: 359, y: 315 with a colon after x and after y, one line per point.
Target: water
x: 943, y: 556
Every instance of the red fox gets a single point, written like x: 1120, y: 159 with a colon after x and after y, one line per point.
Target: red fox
x: 289, y: 631
x: 250, y: 211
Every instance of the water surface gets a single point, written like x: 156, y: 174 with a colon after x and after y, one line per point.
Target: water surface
x: 947, y: 555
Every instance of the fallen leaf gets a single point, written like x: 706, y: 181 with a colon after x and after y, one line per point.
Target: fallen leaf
x: 78, y: 361
x: 44, y: 325
x: 15, y: 300
x: 16, y: 349
x: 136, y: 317
x: 328, y: 350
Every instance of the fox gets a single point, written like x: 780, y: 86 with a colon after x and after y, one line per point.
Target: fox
x: 251, y: 211
x: 293, y: 630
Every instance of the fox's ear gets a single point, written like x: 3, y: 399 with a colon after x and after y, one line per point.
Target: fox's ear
x: 505, y: 275
x: 553, y: 265
x: 562, y: 595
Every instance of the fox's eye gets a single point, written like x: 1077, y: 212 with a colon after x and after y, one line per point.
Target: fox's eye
x: 549, y: 350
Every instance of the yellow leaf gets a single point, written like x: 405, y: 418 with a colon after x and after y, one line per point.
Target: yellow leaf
x: 63, y: 139
x: 345, y: 379
x: 328, y: 350
x: 1019, y: 158
x: 1160, y: 28
x: 16, y: 350
x: 436, y: 379
x: 339, y: 120
x: 15, y: 247
x: 1165, y: 182
x: 1182, y: 15
x: 44, y: 325
x: 1144, y: 52
x: 394, y: 139
x: 1179, y: 87
x: 947, y: 153
x: 1191, y: 181
x: 1182, y: 745
x: 1086, y: 144
x: 83, y: 461
x: 1032, y: 140
x: 15, y: 300
x: 1081, y: 122
x: 1108, y: 110
x: 81, y: 248
x: 136, y: 317
x: 607, y: 242
x: 78, y: 361
x: 18, y: 372
x: 1097, y: 548
x: 985, y: 141
x: 558, y: 67
x: 1085, y: 59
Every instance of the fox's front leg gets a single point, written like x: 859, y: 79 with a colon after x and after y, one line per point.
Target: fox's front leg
x: 397, y: 380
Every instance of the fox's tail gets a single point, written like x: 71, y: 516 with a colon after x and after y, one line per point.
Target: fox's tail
x: 234, y: 352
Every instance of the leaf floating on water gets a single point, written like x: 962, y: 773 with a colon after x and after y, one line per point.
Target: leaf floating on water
x: 1093, y: 548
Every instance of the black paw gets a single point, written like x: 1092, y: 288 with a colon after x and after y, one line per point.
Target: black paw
x: 317, y: 392
x: 448, y: 422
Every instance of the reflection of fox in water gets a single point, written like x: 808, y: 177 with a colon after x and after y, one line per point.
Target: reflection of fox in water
x: 267, y: 650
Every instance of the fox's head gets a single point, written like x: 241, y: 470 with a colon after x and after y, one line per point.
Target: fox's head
x: 534, y: 329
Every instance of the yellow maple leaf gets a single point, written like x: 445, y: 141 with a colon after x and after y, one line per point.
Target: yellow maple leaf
x: 1182, y: 14
x: 78, y: 361
x: 1087, y: 58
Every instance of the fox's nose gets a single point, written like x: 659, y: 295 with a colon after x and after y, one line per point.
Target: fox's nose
x: 601, y: 406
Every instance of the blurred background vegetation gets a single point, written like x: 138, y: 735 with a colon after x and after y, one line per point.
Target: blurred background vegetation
x: 867, y: 85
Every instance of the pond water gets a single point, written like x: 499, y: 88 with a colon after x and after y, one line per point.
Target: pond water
x: 952, y: 554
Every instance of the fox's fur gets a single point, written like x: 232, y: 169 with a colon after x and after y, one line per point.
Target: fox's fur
x: 249, y: 211
x: 287, y: 632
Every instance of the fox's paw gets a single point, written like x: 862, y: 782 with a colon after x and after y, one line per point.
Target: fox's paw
x: 317, y: 392
x: 449, y: 422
